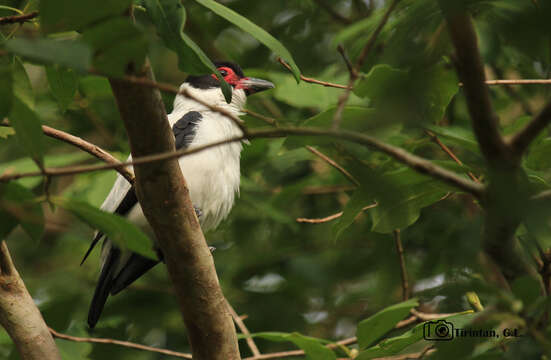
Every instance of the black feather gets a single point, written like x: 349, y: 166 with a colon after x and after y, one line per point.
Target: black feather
x: 209, y: 82
x: 104, y: 286
x: 185, y: 128
x: 136, y: 266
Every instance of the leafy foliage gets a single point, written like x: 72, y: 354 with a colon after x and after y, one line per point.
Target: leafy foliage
x: 299, y: 283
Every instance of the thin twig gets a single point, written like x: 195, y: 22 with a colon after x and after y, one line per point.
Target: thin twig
x: 119, y: 343
x: 333, y: 12
x: 403, y: 270
x: 244, y: 330
x: 330, y: 189
x: 343, y: 99
x: 517, y: 82
x: 450, y: 153
x: 312, y: 80
x: 334, y: 164
x: 18, y: 19
x: 330, y: 217
x: 284, y: 354
x: 413, y: 161
x: 266, y: 119
x: 342, y: 51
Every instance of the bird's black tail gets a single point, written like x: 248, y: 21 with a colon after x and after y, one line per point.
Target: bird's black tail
x: 105, y: 283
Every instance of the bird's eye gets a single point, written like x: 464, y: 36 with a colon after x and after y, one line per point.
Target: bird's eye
x: 224, y: 73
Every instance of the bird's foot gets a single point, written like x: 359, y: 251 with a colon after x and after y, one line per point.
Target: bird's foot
x: 212, y: 248
x: 198, y: 211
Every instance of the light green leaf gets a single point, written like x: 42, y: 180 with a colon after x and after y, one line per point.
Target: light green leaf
x: 117, y: 44
x: 28, y: 130
x: 121, y: 231
x: 65, y: 15
x: 381, y: 80
x: 457, y: 135
x: 6, y: 86
x: 63, y: 84
x: 6, y: 131
x: 372, y: 328
x: 253, y: 29
x: 169, y: 16
x: 313, y: 348
x: 69, y: 53
x: 17, y: 205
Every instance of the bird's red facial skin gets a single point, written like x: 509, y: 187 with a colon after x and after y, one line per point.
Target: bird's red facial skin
x: 230, y: 76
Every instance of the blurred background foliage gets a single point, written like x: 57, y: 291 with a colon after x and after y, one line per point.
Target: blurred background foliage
x: 316, y: 279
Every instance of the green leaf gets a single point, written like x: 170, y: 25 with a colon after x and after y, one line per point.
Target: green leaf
x: 257, y: 32
x: 28, y: 130
x: 372, y: 328
x: 17, y: 205
x: 169, y: 16
x: 69, y: 53
x: 457, y: 135
x: 6, y: 131
x: 396, y: 344
x: 63, y: 84
x: 22, y: 87
x: 6, y: 86
x: 313, y: 348
x: 420, y: 94
x: 117, y: 44
x: 361, y: 198
x: 121, y: 231
x: 65, y: 15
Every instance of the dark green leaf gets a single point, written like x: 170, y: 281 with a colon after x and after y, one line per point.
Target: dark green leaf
x: 121, y: 231
x: 17, y: 205
x: 372, y: 328
x: 169, y: 17
x: 65, y: 15
x: 28, y: 130
x: 527, y: 289
x: 22, y: 87
x: 313, y: 348
x: 118, y: 45
x: 253, y: 29
x: 69, y: 53
x: 6, y: 86
x: 457, y: 135
x: 63, y: 84
x: 361, y: 198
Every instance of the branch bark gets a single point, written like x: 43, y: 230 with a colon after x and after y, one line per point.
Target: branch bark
x: 520, y: 141
x: 164, y: 198
x: 20, y: 316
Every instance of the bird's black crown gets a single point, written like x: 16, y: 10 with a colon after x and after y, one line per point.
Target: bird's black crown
x: 208, y: 81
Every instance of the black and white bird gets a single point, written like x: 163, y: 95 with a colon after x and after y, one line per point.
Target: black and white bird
x: 212, y: 175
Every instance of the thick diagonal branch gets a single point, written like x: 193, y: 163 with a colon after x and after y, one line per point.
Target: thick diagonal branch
x: 520, y: 141
x: 20, y: 316
x: 164, y: 198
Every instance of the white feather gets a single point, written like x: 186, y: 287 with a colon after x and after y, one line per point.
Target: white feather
x: 212, y: 175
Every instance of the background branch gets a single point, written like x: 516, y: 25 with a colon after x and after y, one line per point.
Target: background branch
x: 20, y: 316
x: 520, y: 141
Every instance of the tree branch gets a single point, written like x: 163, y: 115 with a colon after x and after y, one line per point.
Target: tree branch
x: 403, y: 270
x: 312, y: 80
x: 127, y: 344
x: 90, y: 148
x: 521, y: 140
x: 413, y: 161
x: 471, y: 73
x: 334, y: 164
x: 14, y: 19
x: 244, y: 330
x: 20, y: 316
x: 164, y: 198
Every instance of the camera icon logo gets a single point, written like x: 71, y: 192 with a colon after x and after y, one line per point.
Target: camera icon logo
x: 438, y: 330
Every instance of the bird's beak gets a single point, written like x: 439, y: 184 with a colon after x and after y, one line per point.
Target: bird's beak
x: 253, y: 85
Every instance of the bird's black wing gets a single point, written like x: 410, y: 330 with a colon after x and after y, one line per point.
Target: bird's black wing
x: 111, y: 282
